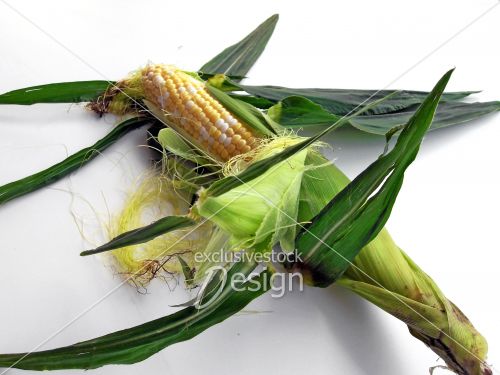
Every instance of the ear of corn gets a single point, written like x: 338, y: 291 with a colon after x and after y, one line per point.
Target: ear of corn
x: 253, y: 222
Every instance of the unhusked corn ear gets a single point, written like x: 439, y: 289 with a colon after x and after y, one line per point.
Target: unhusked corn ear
x: 187, y: 106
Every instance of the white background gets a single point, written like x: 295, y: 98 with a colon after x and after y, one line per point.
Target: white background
x: 446, y: 216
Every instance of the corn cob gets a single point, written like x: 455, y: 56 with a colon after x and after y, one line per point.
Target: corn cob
x: 185, y: 104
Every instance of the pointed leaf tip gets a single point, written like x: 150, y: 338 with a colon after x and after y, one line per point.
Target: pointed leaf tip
x: 143, y: 234
x: 236, y: 60
x: 61, y: 92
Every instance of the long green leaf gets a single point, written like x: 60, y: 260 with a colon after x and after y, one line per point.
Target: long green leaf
x: 138, y: 343
x: 237, y: 59
x: 447, y: 114
x: 143, y: 234
x: 343, y: 101
x: 356, y: 215
x: 63, y: 92
x: 56, y: 172
x: 297, y: 112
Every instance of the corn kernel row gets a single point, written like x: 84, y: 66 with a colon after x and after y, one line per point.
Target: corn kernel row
x: 191, y: 110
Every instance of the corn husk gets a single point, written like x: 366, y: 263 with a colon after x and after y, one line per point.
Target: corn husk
x: 386, y: 276
x: 263, y: 211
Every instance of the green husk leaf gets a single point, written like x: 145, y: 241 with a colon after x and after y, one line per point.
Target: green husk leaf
x: 187, y: 271
x: 138, y: 343
x: 447, y: 114
x: 170, y: 140
x: 261, y: 212
x: 56, y: 172
x: 226, y: 82
x: 237, y: 59
x: 320, y: 183
x: 182, y: 162
x: 143, y: 234
x: 342, y: 101
x: 355, y: 216
x: 244, y: 111
x: 297, y: 111
x: 63, y: 92
x: 261, y: 103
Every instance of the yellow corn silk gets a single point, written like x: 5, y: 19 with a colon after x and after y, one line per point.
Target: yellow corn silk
x: 154, y: 198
